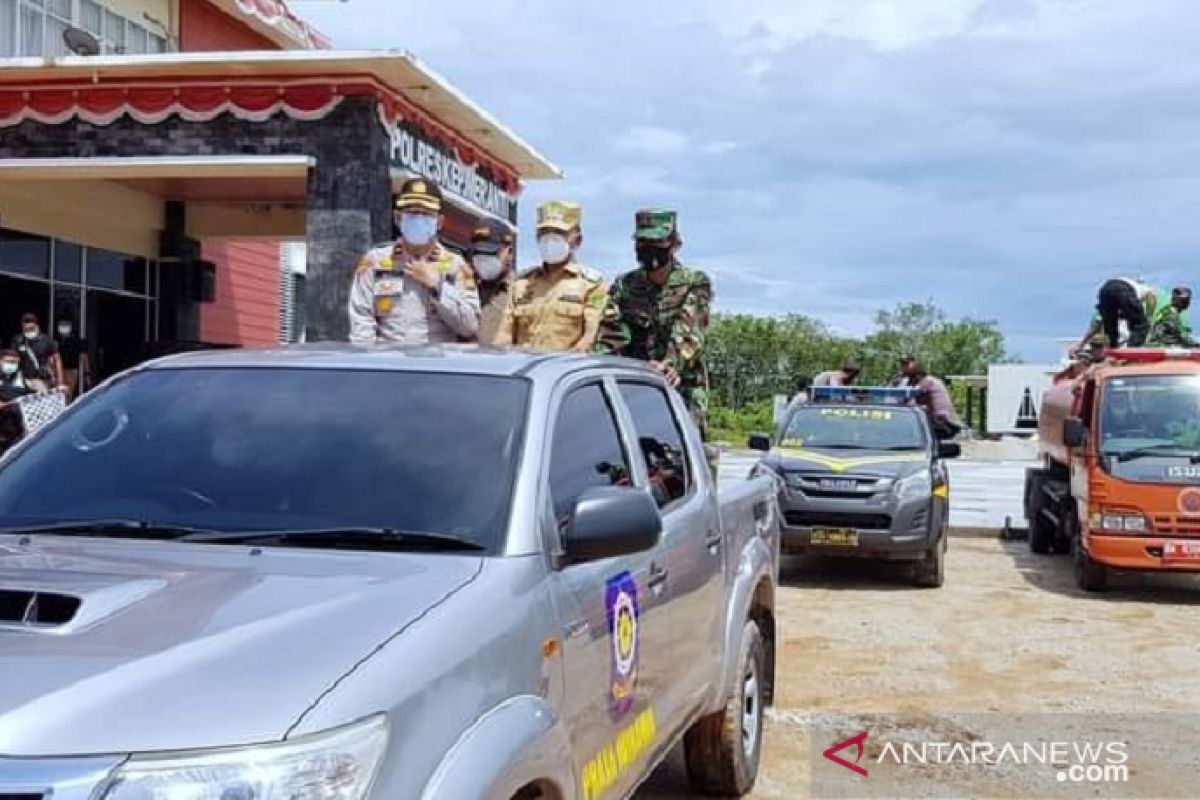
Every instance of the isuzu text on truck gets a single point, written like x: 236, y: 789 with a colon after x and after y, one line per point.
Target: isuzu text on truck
x: 1120, y: 481
x: 330, y: 573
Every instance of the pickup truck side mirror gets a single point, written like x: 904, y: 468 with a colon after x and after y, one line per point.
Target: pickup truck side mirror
x: 611, y: 521
x: 949, y: 450
x: 1074, y: 432
x: 760, y: 442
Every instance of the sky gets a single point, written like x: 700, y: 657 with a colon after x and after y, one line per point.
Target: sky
x: 836, y: 157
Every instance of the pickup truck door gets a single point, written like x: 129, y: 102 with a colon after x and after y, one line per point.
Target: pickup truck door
x: 693, y: 540
x: 614, y: 612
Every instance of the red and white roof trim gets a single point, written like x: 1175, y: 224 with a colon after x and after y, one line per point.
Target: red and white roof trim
x: 277, y: 15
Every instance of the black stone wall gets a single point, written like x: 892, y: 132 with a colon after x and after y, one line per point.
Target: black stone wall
x: 349, y: 192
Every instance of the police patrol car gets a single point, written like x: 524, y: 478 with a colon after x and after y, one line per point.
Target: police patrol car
x: 861, y: 474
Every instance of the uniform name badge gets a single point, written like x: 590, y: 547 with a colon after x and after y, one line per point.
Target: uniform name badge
x: 386, y: 290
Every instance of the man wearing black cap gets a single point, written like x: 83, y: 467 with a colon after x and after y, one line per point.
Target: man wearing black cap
x: 1171, y: 328
x: 492, y: 260
x: 414, y: 291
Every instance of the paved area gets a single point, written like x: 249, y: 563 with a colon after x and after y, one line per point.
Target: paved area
x: 1008, y: 635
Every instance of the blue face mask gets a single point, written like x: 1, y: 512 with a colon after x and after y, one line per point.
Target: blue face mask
x: 418, y: 229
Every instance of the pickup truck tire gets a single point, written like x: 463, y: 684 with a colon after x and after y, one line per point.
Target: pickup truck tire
x: 723, y: 749
x: 930, y: 572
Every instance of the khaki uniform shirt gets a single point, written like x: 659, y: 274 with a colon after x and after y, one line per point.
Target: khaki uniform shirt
x: 555, y: 310
x: 493, y: 297
x: 388, y: 306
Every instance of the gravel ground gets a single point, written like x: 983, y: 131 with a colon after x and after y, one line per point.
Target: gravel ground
x: 1008, y: 635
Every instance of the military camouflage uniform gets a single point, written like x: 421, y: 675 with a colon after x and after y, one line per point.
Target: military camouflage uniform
x: 1171, y: 329
x: 664, y: 323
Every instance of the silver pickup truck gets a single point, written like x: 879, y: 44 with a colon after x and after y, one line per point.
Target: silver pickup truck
x: 335, y: 573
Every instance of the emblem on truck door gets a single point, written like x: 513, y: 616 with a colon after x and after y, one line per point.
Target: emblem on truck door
x: 621, y: 603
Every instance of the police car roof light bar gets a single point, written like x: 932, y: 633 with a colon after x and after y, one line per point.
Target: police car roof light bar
x: 874, y: 395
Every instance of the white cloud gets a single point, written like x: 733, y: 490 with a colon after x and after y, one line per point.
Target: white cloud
x: 652, y: 140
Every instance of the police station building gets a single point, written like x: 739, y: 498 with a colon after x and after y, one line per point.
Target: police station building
x: 212, y: 173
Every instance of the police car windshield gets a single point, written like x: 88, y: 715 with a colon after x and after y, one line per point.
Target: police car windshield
x: 1155, y: 415
x: 850, y: 428
x: 280, y: 449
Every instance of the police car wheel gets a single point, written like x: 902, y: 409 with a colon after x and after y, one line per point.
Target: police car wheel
x: 930, y: 572
x: 723, y: 749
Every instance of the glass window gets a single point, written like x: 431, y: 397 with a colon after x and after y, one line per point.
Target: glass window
x: 586, y: 451
x: 275, y: 449
x: 660, y: 441
x: 24, y: 254
x: 8, y: 28
x: 157, y: 44
x: 110, y: 270
x: 91, y: 17
x: 32, y: 30
x: 59, y: 8
x: 135, y: 38
x: 114, y: 31
x: 55, y: 43
x: 68, y: 262
x: 853, y: 428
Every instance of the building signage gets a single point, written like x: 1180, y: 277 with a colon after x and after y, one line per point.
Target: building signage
x: 415, y: 153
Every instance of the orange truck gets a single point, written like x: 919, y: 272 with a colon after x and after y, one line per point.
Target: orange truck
x: 1119, y: 482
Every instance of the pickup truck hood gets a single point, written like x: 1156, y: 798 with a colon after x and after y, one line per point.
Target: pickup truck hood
x: 176, y: 646
x: 875, y: 463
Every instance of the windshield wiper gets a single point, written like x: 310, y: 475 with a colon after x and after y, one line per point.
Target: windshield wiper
x: 364, y: 538
x: 111, y: 528
x: 1157, y: 450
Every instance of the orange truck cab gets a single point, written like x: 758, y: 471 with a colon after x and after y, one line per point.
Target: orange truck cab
x: 1119, y: 483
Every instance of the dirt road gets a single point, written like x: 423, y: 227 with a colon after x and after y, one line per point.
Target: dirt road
x: 1008, y: 635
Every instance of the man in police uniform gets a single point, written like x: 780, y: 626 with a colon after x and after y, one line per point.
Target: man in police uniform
x: 1170, y: 327
x: 492, y: 257
x: 659, y: 312
x: 414, y: 291
x: 558, y: 305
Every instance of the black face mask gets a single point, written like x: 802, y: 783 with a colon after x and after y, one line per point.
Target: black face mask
x: 652, y: 258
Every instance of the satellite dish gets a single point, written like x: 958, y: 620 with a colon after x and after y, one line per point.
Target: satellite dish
x: 80, y: 42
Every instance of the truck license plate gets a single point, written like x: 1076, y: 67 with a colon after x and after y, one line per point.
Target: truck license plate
x: 1181, y: 551
x: 839, y: 484
x: 835, y: 536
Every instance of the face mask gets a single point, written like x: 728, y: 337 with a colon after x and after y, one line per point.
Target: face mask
x: 64, y: 330
x: 31, y: 333
x: 554, y: 248
x: 488, y: 267
x: 8, y: 368
x: 418, y: 229
x: 652, y: 258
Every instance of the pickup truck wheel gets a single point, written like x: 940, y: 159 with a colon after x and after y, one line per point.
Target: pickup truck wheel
x: 723, y: 749
x: 930, y: 572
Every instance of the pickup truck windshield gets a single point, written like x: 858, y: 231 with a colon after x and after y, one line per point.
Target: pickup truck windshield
x: 1151, y: 416
x: 280, y: 449
x: 849, y: 428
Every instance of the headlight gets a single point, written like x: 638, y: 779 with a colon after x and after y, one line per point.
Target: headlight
x: 1121, y: 522
x: 915, y: 487
x: 339, y: 765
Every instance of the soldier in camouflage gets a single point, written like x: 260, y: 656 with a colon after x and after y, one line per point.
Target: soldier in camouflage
x: 659, y: 312
x: 1170, y: 325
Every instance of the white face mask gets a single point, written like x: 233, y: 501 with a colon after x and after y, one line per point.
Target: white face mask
x: 31, y: 333
x: 554, y: 248
x: 418, y: 229
x: 64, y: 330
x: 8, y: 368
x: 488, y: 267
